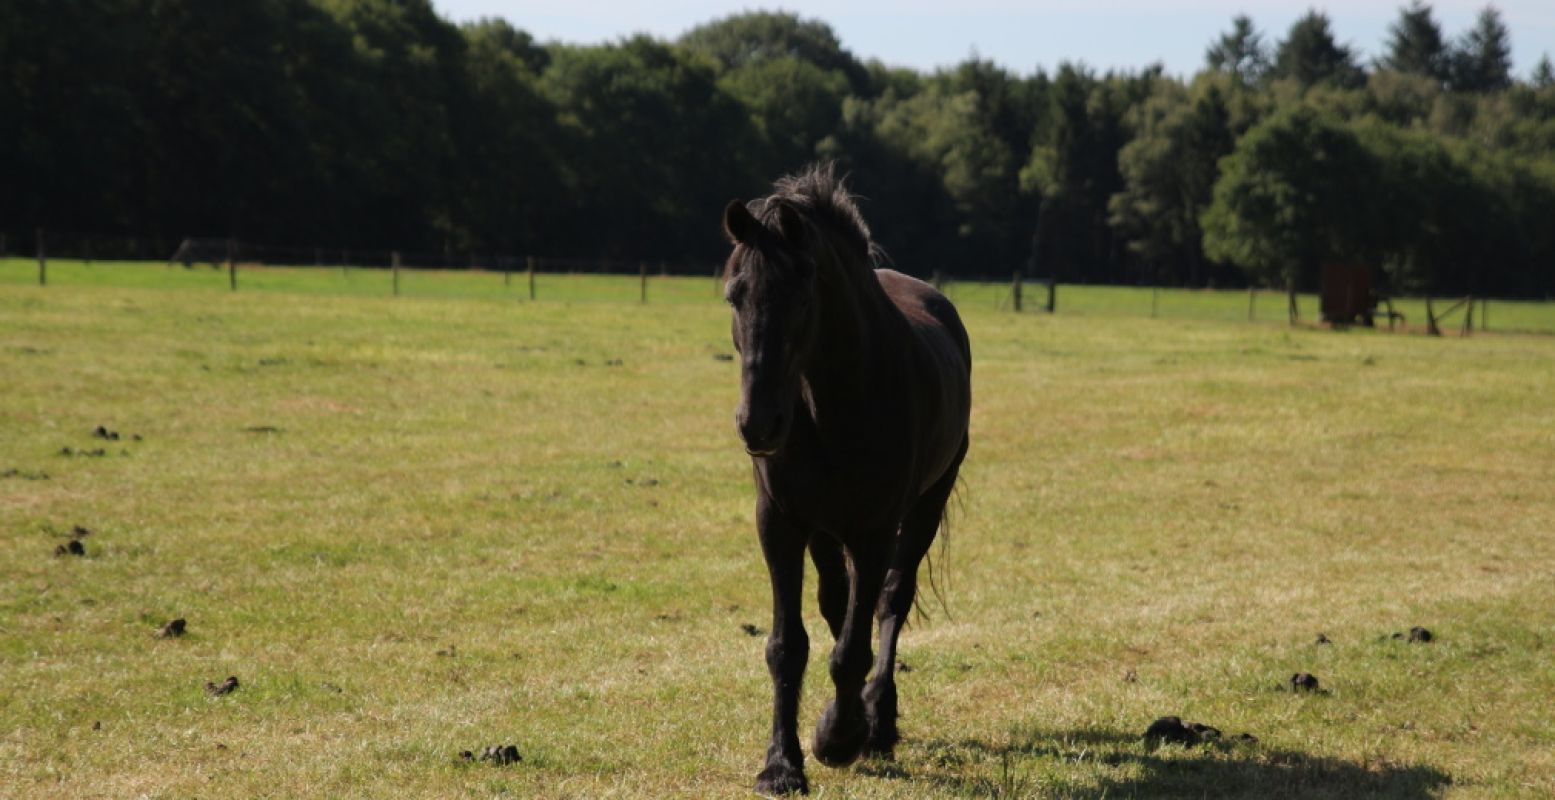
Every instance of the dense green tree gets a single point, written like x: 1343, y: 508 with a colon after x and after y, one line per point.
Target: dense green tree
x: 1427, y: 203
x: 1483, y: 59
x: 229, y: 98
x: 942, y: 128
x: 939, y: 129
x: 656, y: 147
x: 508, y: 139
x: 1169, y: 170
x: 752, y: 38
x: 910, y: 212
x: 1532, y: 200
x: 73, y: 129
x: 1009, y: 107
x: 1073, y: 171
x: 937, y: 158
x: 1507, y: 238
x: 1239, y: 52
x: 1309, y: 55
x: 1291, y: 196
x: 378, y: 125
x: 493, y: 35
x: 791, y: 75
x: 794, y: 104
x: 985, y: 177
x: 1401, y: 98
x: 408, y: 88
x: 1416, y: 46
x: 1456, y: 219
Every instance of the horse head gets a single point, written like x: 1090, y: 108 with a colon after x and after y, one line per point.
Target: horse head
x: 770, y: 284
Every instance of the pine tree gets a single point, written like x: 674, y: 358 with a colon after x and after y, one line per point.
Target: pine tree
x: 1309, y: 55
x: 1483, y: 60
x: 1416, y: 45
x: 1240, y: 52
x: 1544, y: 73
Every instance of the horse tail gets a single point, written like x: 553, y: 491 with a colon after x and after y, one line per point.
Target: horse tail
x: 959, y: 501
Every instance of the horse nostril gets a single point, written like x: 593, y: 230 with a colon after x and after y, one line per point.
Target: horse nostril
x: 759, y: 433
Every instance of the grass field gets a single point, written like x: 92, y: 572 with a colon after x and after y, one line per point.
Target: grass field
x: 422, y: 525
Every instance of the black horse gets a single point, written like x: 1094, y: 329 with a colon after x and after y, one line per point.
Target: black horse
x: 855, y: 392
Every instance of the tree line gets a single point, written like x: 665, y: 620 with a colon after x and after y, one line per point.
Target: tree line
x: 377, y: 123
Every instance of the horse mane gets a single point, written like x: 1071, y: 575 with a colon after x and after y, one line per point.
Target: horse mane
x: 822, y: 198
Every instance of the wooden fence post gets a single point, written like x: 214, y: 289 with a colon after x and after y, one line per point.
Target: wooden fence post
x: 43, y: 261
x: 642, y: 279
x: 531, y: 260
x: 1468, y: 317
x: 1052, y: 294
x: 1155, y: 300
x: 395, y: 265
x: 1430, y: 318
x: 1484, y: 314
x: 1015, y: 290
x: 232, y: 268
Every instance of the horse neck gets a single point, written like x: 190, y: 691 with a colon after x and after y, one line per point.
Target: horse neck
x: 855, y: 317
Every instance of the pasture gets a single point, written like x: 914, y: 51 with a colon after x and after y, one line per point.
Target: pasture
x: 417, y: 526
x: 1506, y: 316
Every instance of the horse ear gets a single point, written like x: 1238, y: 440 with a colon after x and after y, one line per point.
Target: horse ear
x: 739, y: 225
x: 791, y: 224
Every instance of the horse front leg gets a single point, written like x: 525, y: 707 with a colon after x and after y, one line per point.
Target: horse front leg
x: 788, y: 648
x: 843, y: 729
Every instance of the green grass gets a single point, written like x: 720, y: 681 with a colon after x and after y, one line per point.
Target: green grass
x: 361, y: 282
x: 421, y: 525
x: 1506, y: 316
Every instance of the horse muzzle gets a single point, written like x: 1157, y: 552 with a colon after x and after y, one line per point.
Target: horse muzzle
x: 763, y: 433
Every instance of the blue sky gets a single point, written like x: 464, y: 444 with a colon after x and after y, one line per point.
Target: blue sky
x: 1020, y: 35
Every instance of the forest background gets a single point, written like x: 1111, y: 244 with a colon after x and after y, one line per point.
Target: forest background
x: 381, y: 124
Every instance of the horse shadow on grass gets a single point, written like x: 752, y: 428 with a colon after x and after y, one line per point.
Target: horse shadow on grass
x: 1112, y: 764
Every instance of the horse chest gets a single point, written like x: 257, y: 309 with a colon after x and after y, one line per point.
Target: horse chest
x: 863, y: 485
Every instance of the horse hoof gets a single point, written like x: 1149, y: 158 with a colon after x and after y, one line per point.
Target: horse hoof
x: 778, y: 780
x: 882, y: 744
x: 875, y: 752
x: 836, y: 747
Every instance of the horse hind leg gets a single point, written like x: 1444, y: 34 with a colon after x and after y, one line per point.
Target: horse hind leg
x: 896, y: 601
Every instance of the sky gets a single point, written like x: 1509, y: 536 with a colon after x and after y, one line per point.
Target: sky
x: 1103, y: 34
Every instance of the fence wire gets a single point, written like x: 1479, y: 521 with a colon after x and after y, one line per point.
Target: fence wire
x: 73, y: 258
